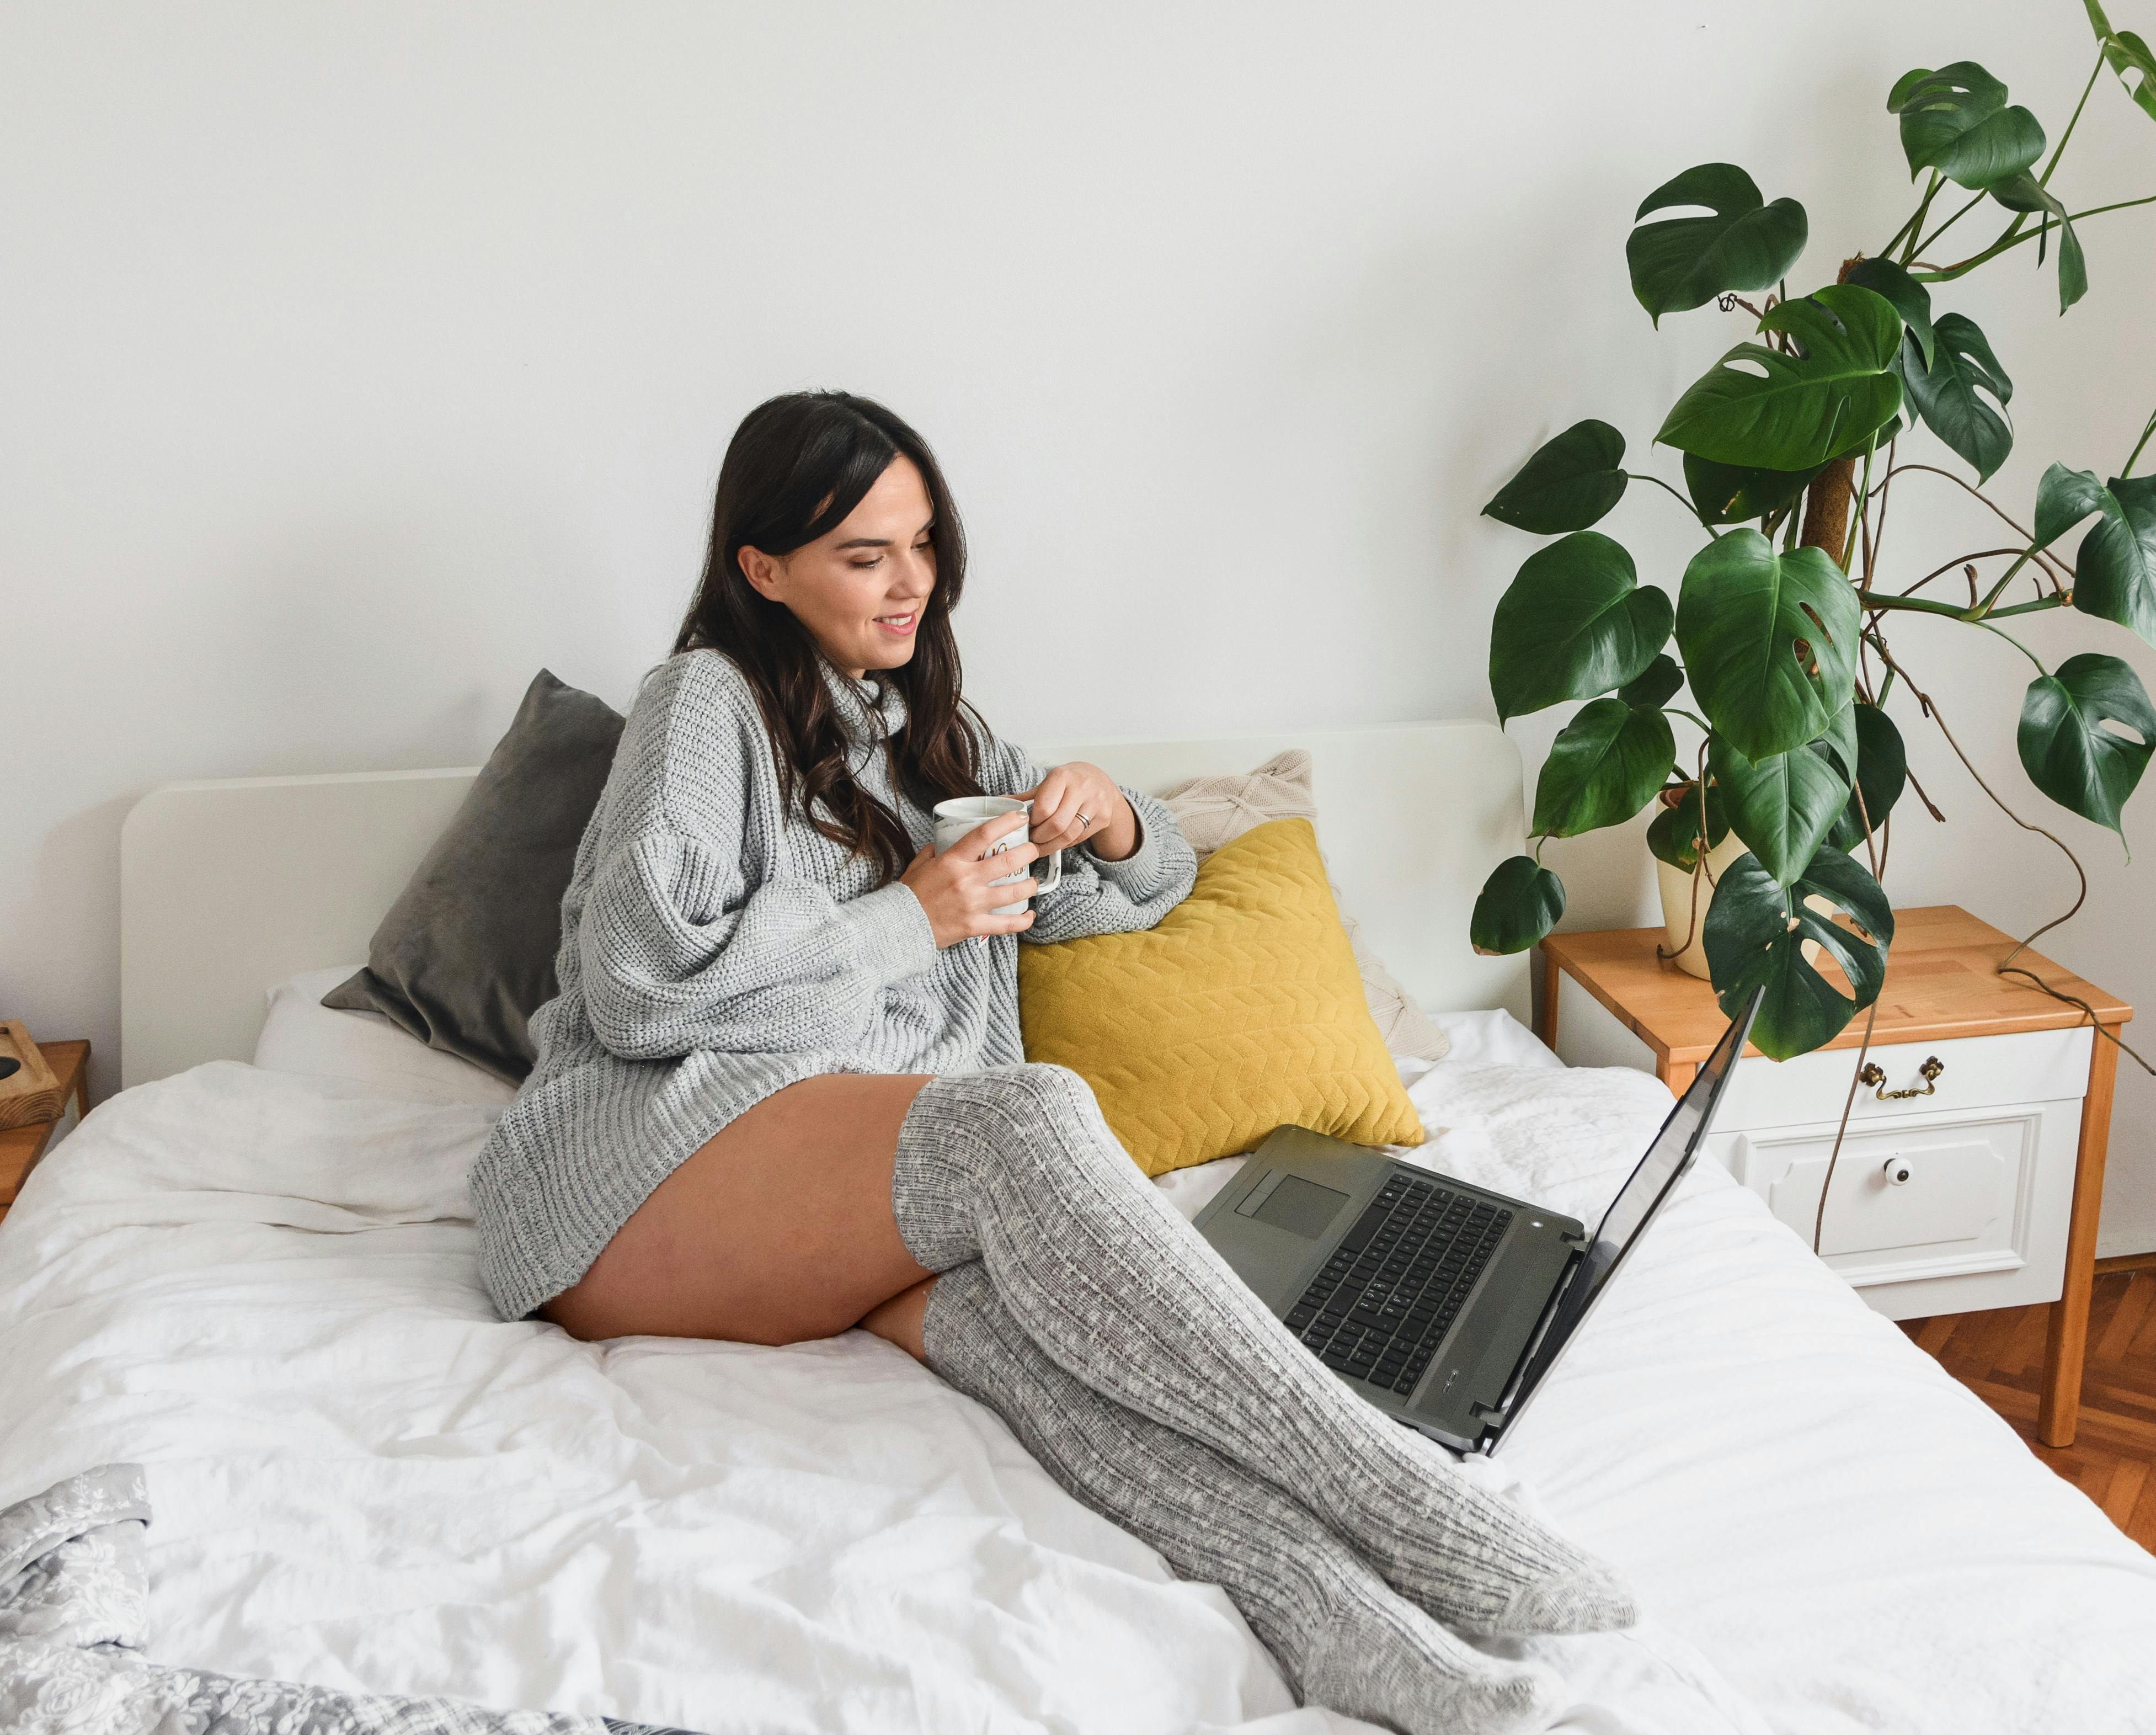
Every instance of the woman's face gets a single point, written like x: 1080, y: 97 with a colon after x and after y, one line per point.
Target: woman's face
x: 859, y: 588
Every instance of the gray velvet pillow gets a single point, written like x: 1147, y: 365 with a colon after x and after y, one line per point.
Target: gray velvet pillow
x: 466, y: 954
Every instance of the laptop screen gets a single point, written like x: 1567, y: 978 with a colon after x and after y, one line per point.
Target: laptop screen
x: 1659, y: 1170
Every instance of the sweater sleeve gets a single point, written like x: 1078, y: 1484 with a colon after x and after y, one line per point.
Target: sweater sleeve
x: 1098, y: 897
x: 676, y: 948
x: 788, y: 968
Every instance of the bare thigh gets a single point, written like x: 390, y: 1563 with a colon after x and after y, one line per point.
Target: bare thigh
x: 778, y: 1230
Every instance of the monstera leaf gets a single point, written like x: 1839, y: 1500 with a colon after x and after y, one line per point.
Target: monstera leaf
x: 2115, y: 568
x: 2024, y: 192
x: 1945, y: 393
x: 1675, y: 835
x: 1783, y: 807
x: 1882, y: 771
x: 1731, y: 494
x: 1685, y: 262
x: 1754, y: 937
x: 1957, y: 121
x: 2129, y: 57
x: 1573, y: 624
x: 1904, y: 294
x: 1520, y: 903
x: 1568, y: 485
x: 1769, y: 410
x: 2064, y: 497
x: 2066, y: 747
x: 1654, y: 688
x: 1769, y: 641
x: 1603, y: 767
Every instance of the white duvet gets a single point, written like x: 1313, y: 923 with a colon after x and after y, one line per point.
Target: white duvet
x: 264, y: 1286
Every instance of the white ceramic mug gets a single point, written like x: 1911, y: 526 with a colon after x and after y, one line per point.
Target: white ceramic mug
x: 956, y: 818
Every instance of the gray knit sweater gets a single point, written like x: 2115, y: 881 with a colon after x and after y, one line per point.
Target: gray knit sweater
x: 716, y: 948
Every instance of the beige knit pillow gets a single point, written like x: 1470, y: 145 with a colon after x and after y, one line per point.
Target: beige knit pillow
x: 1215, y: 811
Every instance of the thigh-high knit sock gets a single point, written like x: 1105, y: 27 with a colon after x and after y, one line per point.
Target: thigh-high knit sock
x: 1344, y: 1638
x: 1016, y: 1168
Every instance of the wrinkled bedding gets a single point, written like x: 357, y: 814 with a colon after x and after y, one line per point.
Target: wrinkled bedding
x: 262, y: 1287
x: 74, y: 1589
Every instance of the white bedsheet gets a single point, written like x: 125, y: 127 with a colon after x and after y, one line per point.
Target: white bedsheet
x: 263, y: 1287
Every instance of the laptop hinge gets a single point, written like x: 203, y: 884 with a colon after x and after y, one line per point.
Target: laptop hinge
x: 1578, y: 1240
x: 1486, y: 1412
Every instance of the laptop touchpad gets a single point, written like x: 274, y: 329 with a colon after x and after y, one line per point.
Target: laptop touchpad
x: 1301, y: 1208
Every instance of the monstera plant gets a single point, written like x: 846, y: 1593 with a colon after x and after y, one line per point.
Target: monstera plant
x: 1788, y: 623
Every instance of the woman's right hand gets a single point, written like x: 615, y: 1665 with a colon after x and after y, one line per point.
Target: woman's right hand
x: 954, y: 888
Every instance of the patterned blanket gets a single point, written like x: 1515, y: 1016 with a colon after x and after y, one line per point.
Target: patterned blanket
x: 74, y: 1601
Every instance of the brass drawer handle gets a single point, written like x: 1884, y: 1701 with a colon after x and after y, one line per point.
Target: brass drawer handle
x: 1873, y: 1076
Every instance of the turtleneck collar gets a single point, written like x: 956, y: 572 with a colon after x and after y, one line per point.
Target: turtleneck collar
x: 872, y: 710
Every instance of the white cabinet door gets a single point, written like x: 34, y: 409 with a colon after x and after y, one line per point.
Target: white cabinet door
x: 1937, y: 1212
x: 1987, y: 1156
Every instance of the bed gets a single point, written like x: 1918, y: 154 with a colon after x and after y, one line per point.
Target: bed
x: 261, y: 1283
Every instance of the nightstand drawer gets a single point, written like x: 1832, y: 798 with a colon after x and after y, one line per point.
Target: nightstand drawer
x: 1929, y: 1212
x: 1977, y: 1072
x: 2004, y: 1151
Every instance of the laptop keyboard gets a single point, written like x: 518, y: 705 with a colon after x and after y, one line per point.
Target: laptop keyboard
x: 1394, y: 1286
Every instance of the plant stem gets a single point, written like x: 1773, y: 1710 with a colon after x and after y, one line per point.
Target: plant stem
x: 1704, y: 726
x: 2132, y: 457
x: 1871, y: 1023
x: 2059, y: 149
x: 2009, y: 241
x: 2006, y: 966
x: 2015, y: 642
x: 1878, y: 532
x: 2026, y: 536
x: 1863, y: 506
x: 1921, y: 605
x: 1639, y: 476
x: 1950, y: 222
x: 1916, y: 222
x: 2057, y: 600
x: 1855, y: 1078
x: 1960, y: 560
x: 1976, y: 616
x: 1894, y: 241
x: 1993, y: 594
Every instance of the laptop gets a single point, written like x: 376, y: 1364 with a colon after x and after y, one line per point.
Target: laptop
x: 1444, y: 1304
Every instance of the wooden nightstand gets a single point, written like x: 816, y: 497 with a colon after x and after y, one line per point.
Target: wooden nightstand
x: 1972, y: 1175
x: 21, y: 1146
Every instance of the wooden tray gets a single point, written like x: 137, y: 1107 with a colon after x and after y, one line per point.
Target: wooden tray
x: 32, y: 1092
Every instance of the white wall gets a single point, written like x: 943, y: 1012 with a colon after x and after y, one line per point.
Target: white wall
x: 361, y: 359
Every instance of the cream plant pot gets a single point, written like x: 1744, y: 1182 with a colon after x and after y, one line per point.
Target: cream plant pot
x: 1677, y: 906
x: 1676, y: 903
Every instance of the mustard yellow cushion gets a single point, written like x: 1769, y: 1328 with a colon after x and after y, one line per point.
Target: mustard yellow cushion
x: 1242, y: 1010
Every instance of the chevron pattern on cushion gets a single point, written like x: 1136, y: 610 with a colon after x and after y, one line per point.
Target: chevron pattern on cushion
x: 1217, y: 810
x: 1240, y: 1011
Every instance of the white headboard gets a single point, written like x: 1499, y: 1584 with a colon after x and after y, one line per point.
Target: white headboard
x: 227, y: 888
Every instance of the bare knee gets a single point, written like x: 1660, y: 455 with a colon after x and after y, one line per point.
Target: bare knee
x: 899, y: 1319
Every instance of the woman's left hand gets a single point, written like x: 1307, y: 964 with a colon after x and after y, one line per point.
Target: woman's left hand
x: 1079, y: 803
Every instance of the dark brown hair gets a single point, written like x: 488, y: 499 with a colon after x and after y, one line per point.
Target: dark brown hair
x: 796, y: 466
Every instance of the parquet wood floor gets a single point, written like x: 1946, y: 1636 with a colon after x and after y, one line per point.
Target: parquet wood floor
x: 1999, y: 1354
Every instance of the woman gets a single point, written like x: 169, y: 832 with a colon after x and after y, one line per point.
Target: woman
x: 782, y: 1092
